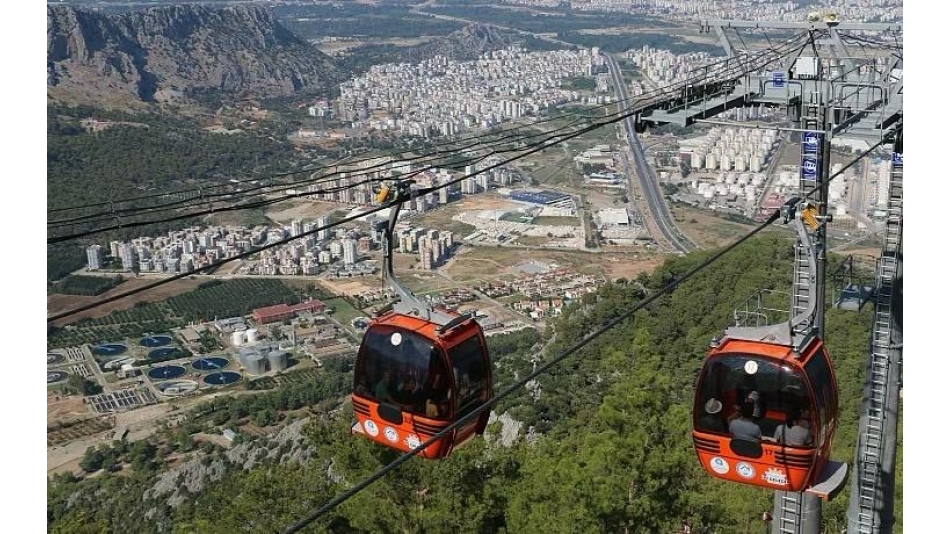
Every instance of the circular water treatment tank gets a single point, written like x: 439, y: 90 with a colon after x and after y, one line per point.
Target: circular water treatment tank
x: 222, y: 378
x: 156, y: 341
x: 54, y: 357
x: 162, y: 353
x: 210, y: 364
x: 55, y: 376
x: 166, y: 372
x: 109, y: 349
x: 237, y: 338
x: 176, y: 387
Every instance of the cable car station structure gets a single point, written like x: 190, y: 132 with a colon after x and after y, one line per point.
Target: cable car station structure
x: 829, y: 88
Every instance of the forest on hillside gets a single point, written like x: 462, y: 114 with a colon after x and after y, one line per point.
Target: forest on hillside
x: 604, y: 443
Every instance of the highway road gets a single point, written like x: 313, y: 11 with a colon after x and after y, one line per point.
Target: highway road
x: 859, y: 196
x: 659, y: 212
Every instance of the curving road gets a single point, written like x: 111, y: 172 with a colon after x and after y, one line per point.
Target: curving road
x: 659, y: 212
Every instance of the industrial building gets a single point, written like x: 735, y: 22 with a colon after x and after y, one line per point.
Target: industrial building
x: 230, y: 324
x: 280, y: 312
x: 541, y: 197
x: 264, y: 358
x: 614, y: 217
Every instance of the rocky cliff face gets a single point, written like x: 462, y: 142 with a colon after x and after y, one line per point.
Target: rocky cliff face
x: 172, y: 53
x: 465, y: 44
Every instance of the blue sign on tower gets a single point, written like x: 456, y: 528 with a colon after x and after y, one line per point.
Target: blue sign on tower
x: 811, y: 167
x: 897, y: 159
x: 811, y: 142
x: 778, y: 79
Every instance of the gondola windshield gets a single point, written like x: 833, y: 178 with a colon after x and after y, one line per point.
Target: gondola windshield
x: 395, y: 360
x: 774, y: 390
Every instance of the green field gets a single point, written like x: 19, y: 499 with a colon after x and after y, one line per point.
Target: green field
x: 422, y: 282
x: 343, y: 311
x: 513, y: 216
x: 493, y: 263
x: 442, y: 219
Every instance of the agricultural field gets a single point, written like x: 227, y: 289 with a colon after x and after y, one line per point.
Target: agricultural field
x: 210, y: 299
x: 57, y: 303
x: 86, y: 285
x: 295, y: 377
x: 67, y: 418
x: 65, y: 432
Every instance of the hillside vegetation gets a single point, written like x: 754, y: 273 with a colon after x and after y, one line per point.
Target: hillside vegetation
x: 604, y: 444
x: 131, y: 163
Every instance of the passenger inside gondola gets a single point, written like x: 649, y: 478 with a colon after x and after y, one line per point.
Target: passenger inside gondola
x: 407, y: 396
x: 386, y: 387
x: 712, y: 420
x: 435, y: 393
x: 796, y: 431
x: 744, y: 426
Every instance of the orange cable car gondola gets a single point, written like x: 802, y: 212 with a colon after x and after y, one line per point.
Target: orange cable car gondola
x: 419, y: 368
x: 766, y: 404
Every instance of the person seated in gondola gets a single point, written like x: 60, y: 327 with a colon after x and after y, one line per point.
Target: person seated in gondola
x: 385, y: 388
x: 435, y: 395
x: 407, y: 396
x: 711, y: 419
x: 744, y: 426
x: 796, y: 430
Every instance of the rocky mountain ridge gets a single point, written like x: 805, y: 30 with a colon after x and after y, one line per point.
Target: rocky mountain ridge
x: 465, y: 44
x: 181, y: 52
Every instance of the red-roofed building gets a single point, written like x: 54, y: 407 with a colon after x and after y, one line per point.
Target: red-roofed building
x: 280, y: 312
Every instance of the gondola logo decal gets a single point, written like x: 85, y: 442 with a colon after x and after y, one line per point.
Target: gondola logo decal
x: 371, y: 428
x: 391, y: 434
x: 745, y: 470
x: 774, y: 475
x: 719, y: 465
x: 412, y: 441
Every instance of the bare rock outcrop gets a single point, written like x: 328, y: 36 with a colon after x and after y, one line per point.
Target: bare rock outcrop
x: 181, y: 51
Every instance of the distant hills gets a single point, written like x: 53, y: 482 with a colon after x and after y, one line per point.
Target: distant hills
x: 182, y: 53
x: 178, y: 53
x: 465, y: 44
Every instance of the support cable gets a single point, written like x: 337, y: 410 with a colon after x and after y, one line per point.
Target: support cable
x: 333, y: 503
x: 331, y: 225
x: 340, y: 499
x: 583, y: 115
